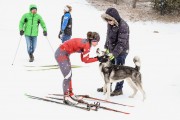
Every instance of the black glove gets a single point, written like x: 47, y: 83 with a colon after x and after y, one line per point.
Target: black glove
x: 21, y: 32
x: 60, y: 35
x: 102, y: 59
x: 60, y: 32
x: 45, y: 33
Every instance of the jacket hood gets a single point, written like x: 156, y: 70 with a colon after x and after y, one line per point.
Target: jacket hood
x: 32, y: 6
x: 112, y: 14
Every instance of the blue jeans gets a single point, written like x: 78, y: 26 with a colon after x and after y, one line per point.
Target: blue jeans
x: 120, y: 60
x: 31, y: 42
x: 65, y: 38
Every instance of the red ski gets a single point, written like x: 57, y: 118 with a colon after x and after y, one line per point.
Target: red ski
x: 93, y: 98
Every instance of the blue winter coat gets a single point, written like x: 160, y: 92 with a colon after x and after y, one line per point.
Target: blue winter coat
x: 66, y: 24
x: 117, y: 39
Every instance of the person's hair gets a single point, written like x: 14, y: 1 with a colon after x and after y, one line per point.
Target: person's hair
x: 93, y: 36
x: 70, y: 8
x: 89, y: 35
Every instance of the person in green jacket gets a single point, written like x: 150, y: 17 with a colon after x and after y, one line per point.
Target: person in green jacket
x: 28, y: 26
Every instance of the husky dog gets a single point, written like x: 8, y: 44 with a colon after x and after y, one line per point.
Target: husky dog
x: 116, y: 73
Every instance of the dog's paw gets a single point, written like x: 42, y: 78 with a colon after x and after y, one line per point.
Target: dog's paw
x: 107, y: 98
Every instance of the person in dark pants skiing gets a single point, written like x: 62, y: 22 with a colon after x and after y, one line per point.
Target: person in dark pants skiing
x: 117, y: 42
x: 28, y: 25
x: 62, y: 54
x: 66, y: 24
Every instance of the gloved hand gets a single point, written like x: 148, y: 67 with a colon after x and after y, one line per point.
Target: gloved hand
x: 21, y: 32
x: 111, y: 56
x: 102, y: 59
x: 60, y: 34
x: 45, y: 33
x: 107, y: 51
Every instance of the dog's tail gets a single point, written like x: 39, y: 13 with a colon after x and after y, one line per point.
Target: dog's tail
x: 137, y: 62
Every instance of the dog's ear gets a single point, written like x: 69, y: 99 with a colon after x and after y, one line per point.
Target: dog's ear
x: 97, y: 51
x: 100, y: 52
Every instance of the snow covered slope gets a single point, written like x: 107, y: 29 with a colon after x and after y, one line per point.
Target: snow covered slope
x: 159, y: 53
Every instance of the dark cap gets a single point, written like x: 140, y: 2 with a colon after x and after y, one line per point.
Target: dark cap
x: 33, y: 8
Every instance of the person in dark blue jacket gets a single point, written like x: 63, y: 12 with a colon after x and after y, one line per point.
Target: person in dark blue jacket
x: 66, y: 25
x: 117, y: 42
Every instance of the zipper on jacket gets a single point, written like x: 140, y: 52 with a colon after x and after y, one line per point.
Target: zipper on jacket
x: 32, y: 25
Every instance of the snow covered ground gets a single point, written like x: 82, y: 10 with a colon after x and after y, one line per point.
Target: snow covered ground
x: 159, y: 53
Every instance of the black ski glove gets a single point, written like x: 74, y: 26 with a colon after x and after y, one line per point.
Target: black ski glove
x: 60, y: 32
x: 45, y: 33
x: 102, y: 59
x: 21, y: 32
x: 60, y: 35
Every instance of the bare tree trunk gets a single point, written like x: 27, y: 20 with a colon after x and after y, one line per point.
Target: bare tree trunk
x: 134, y: 3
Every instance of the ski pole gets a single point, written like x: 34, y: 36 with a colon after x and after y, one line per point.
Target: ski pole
x: 50, y: 44
x: 17, y: 50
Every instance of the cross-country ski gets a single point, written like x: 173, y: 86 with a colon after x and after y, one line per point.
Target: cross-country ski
x: 89, y: 106
x: 59, y: 102
x: 47, y: 67
x: 97, y: 99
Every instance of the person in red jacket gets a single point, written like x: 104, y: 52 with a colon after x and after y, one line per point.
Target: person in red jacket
x: 62, y: 54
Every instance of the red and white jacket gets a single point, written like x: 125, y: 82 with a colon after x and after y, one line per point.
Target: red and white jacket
x: 78, y: 45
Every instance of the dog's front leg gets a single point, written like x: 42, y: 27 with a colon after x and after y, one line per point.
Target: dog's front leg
x: 108, y: 91
x: 104, y: 88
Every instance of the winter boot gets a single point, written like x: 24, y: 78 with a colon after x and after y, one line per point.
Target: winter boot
x: 31, y: 57
x: 117, y: 92
x: 69, y: 101
x: 100, y: 89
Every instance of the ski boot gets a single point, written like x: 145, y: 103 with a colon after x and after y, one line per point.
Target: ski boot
x: 100, y: 89
x: 117, y: 92
x: 31, y: 57
x: 69, y: 101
